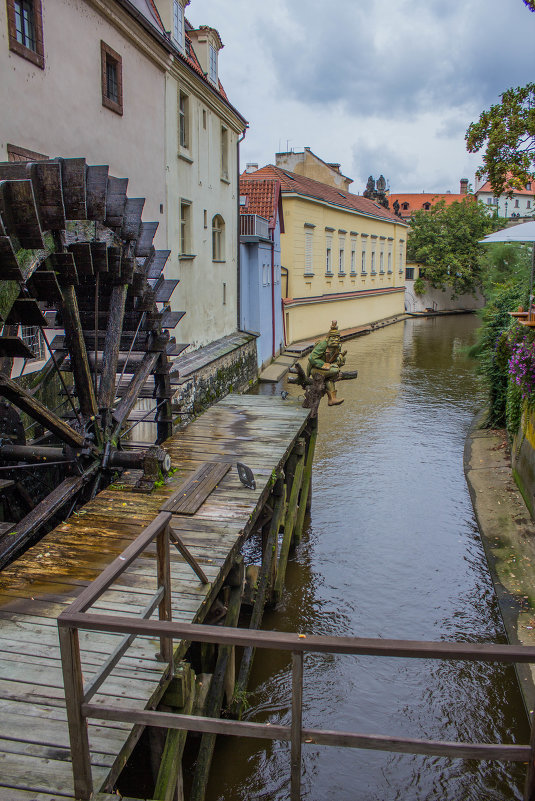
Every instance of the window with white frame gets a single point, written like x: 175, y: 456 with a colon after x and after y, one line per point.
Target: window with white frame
x: 364, y: 245
x: 401, y: 244
x: 218, y: 238
x: 329, y: 254
x: 373, y: 269
x: 183, y: 119
x: 341, y: 255
x: 353, y: 263
x: 389, y: 261
x: 212, y: 73
x: 224, y: 152
x: 185, y: 228
x: 309, y: 253
x: 178, y: 24
x: 382, y: 257
x: 265, y: 275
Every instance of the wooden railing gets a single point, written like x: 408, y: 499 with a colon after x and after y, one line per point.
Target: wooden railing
x: 78, y: 695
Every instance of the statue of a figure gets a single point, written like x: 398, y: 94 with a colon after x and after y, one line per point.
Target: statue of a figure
x: 370, y: 188
x: 395, y: 206
x: 381, y: 185
x: 326, y: 360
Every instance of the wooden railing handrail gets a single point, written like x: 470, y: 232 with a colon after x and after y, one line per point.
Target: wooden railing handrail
x: 287, y: 641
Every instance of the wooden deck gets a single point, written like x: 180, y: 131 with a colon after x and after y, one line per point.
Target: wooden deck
x: 34, y: 741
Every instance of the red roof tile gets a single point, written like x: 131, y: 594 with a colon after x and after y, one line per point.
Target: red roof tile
x: 262, y: 196
x: 488, y: 188
x: 292, y: 182
x: 417, y: 200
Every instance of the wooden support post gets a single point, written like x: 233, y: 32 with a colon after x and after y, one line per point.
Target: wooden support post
x: 529, y: 788
x: 74, y: 694
x: 297, y: 723
x: 214, y: 702
x: 169, y: 780
x: 289, y: 521
x: 79, y: 361
x: 268, y: 560
x: 305, y: 486
x: 164, y: 580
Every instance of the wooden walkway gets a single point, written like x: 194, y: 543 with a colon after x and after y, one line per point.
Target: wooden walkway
x: 34, y: 741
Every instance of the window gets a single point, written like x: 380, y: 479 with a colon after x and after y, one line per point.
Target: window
x: 373, y: 270
x: 528, y: 204
x: 329, y: 256
x: 265, y: 275
x: 401, y: 243
x: 489, y: 201
x: 409, y: 274
x: 204, y: 119
x: 516, y: 203
x: 341, y: 256
x: 112, y: 78
x: 364, y: 240
x: 25, y: 28
x: 178, y: 24
x: 426, y: 206
x: 33, y: 338
x: 528, y: 186
x: 389, y: 263
x: 218, y: 238
x: 212, y: 72
x: 185, y: 228
x: 224, y: 153
x: 183, y: 119
x: 353, y: 267
x: 405, y: 206
x: 309, y: 253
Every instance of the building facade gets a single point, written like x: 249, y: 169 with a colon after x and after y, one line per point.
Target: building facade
x: 261, y: 225
x: 343, y: 257
x: 135, y: 86
x: 518, y: 204
x: 407, y: 203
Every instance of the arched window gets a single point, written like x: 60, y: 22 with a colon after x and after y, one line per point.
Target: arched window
x: 404, y: 206
x: 218, y: 238
x: 427, y: 206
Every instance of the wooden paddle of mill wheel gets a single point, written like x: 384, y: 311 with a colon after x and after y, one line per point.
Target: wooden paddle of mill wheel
x: 73, y: 247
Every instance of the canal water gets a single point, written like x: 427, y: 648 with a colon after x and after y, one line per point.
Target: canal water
x: 392, y: 550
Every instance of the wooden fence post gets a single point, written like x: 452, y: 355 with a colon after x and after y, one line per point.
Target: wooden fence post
x: 306, y: 486
x: 529, y: 788
x: 164, y: 580
x: 74, y: 696
x: 297, y: 724
x: 289, y: 521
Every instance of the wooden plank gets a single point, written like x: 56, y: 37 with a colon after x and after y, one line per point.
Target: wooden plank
x: 190, y: 496
x: 132, y: 217
x: 15, y: 347
x: 25, y: 311
x: 63, y: 265
x: 74, y: 190
x: 96, y: 188
x: 19, y: 213
x: 83, y: 260
x: 146, y: 235
x: 157, y: 263
x: 115, y: 201
x: 47, y: 187
x: 8, y: 261
x: 99, y: 256
x: 165, y: 289
x: 44, y: 285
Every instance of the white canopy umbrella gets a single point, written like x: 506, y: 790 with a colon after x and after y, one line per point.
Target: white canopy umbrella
x: 517, y: 234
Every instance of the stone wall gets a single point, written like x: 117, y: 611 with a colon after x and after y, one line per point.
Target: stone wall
x: 232, y: 371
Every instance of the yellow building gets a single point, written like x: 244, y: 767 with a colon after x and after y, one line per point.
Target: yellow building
x: 344, y: 255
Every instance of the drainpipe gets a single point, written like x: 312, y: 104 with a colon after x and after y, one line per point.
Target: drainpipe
x: 273, y: 293
x: 238, y: 265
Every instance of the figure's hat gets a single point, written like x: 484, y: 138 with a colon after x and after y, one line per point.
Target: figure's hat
x: 333, y: 337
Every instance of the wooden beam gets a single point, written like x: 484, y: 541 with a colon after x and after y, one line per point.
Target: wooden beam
x: 170, y: 773
x: 305, y: 486
x: 79, y: 361
x: 110, y: 357
x: 124, y: 407
x: 289, y: 521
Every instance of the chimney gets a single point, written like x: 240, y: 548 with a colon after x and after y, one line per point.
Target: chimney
x: 464, y: 186
x: 251, y: 167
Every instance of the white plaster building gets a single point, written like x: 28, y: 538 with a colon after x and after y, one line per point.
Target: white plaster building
x: 520, y: 204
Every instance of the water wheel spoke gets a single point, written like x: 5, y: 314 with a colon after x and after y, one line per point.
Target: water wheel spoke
x: 110, y: 356
x: 129, y: 399
x: 24, y: 401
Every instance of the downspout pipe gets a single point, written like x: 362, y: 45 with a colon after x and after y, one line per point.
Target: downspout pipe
x: 273, y: 293
x: 238, y: 260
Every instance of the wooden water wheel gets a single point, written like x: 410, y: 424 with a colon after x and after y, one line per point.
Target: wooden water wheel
x: 73, y: 247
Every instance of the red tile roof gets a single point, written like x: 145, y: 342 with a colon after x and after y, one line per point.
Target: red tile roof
x: 292, y: 182
x: 416, y: 200
x: 488, y: 188
x: 262, y: 197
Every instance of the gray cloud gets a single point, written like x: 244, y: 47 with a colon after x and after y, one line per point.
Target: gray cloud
x: 381, y: 57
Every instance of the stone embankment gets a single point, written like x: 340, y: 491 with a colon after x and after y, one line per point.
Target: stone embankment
x: 508, y: 535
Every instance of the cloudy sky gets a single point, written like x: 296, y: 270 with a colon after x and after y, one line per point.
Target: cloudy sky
x: 381, y: 86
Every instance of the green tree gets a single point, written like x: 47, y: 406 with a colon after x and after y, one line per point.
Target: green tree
x: 507, y: 131
x: 445, y: 240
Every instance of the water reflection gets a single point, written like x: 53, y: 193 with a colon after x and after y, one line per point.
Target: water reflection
x: 391, y: 550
